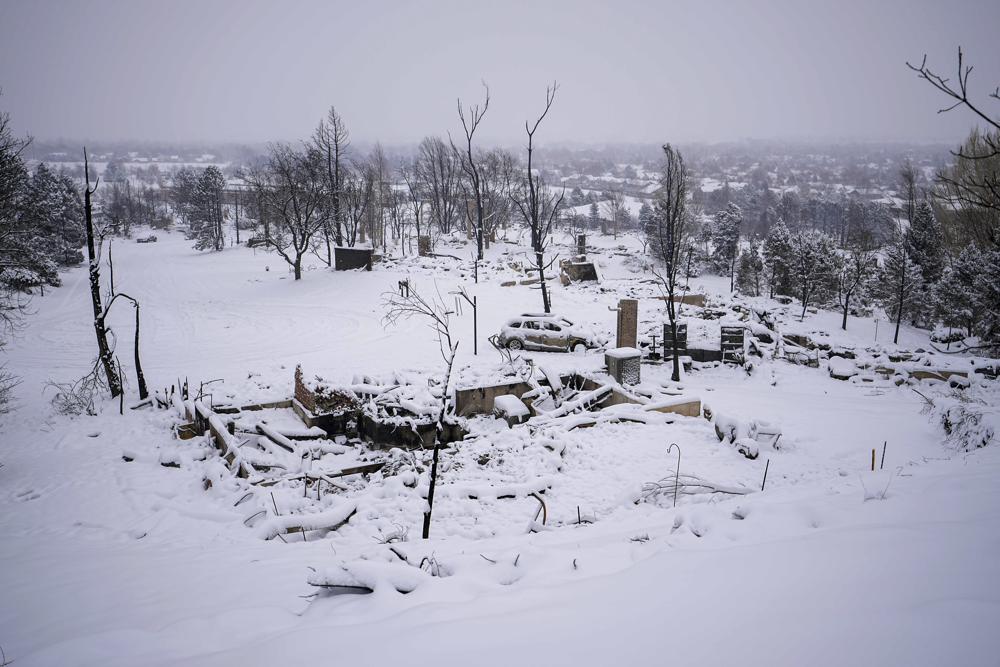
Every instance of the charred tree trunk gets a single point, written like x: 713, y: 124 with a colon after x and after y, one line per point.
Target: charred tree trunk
x: 329, y: 251
x: 469, y: 126
x: 236, y: 214
x: 540, y: 262
x: 140, y: 376
x: 438, y: 434
x: 100, y: 329
x: 675, y: 375
x: 539, y: 221
x: 220, y: 234
x: 900, y: 299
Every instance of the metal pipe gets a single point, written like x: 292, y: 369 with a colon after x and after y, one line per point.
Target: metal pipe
x: 677, y: 471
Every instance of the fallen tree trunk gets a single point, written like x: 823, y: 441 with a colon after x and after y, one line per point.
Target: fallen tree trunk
x: 329, y: 520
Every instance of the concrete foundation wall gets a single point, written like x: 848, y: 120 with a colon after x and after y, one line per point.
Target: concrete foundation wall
x: 479, y: 400
x: 704, y: 355
x: 691, y: 408
x: 346, y: 259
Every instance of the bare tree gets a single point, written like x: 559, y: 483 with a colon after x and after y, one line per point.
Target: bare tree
x: 538, y: 206
x: 469, y: 161
x: 415, y: 195
x: 382, y: 192
x: 292, y: 193
x: 397, y: 214
x: 358, y: 193
x: 331, y: 139
x: 614, y: 205
x: 908, y: 185
x: 961, y: 96
x: 433, y: 309
x: 104, y: 353
x: 853, y: 271
x: 970, y: 190
x: 498, y: 175
x: 668, y: 236
x: 973, y: 184
x: 438, y: 172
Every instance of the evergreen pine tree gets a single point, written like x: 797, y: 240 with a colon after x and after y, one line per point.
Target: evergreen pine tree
x: 777, y: 257
x: 750, y: 269
x: 726, y: 241
x: 205, y: 224
x: 925, y: 243
x: 813, y: 262
x: 594, y: 218
x: 185, y: 183
x: 645, y: 217
x: 987, y: 296
x: 52, y: 216
x: 901, y: 284
x: 955, y: 296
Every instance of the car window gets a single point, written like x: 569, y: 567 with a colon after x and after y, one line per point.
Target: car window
x: 515, y: 324
x: 552, y: 327
x: 531, y: 325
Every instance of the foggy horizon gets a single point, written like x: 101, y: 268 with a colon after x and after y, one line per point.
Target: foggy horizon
x: 288, y: 377
x: 633, y: 73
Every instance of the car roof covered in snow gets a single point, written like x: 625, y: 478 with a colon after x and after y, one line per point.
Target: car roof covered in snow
x: 545, y: 316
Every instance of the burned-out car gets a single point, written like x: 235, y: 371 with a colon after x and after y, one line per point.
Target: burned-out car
x: 548, y: 333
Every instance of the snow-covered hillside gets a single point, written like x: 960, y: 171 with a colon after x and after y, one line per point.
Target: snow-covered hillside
x: 108, y: 561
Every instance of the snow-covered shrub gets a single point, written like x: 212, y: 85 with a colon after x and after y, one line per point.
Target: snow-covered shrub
x: 79, y: 397
x: 968, y: 425
x: 944, y: 335
x: 876, y: 484
x: 7, y: 384
x: 747, y: 447
x: 26, y: 278
x: 729, y: 429
x: 399, y: 533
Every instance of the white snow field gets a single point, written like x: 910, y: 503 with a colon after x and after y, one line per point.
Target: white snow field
x: 108, y: 562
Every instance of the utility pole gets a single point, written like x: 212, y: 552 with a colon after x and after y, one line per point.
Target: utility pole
x: 236, y: 207
x: 474, y: 302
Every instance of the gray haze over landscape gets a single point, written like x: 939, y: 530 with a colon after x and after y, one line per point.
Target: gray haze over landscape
x: 628, y: 71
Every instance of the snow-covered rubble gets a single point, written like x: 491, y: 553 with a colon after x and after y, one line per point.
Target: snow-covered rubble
x: 135, y: 547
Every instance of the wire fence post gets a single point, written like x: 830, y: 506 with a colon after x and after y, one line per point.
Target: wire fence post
x: 677, y: 471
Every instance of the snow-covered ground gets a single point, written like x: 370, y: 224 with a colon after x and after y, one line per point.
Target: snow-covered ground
x: 107, y: 562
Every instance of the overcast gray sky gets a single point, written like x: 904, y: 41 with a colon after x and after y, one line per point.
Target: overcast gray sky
x: 628, y: 70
